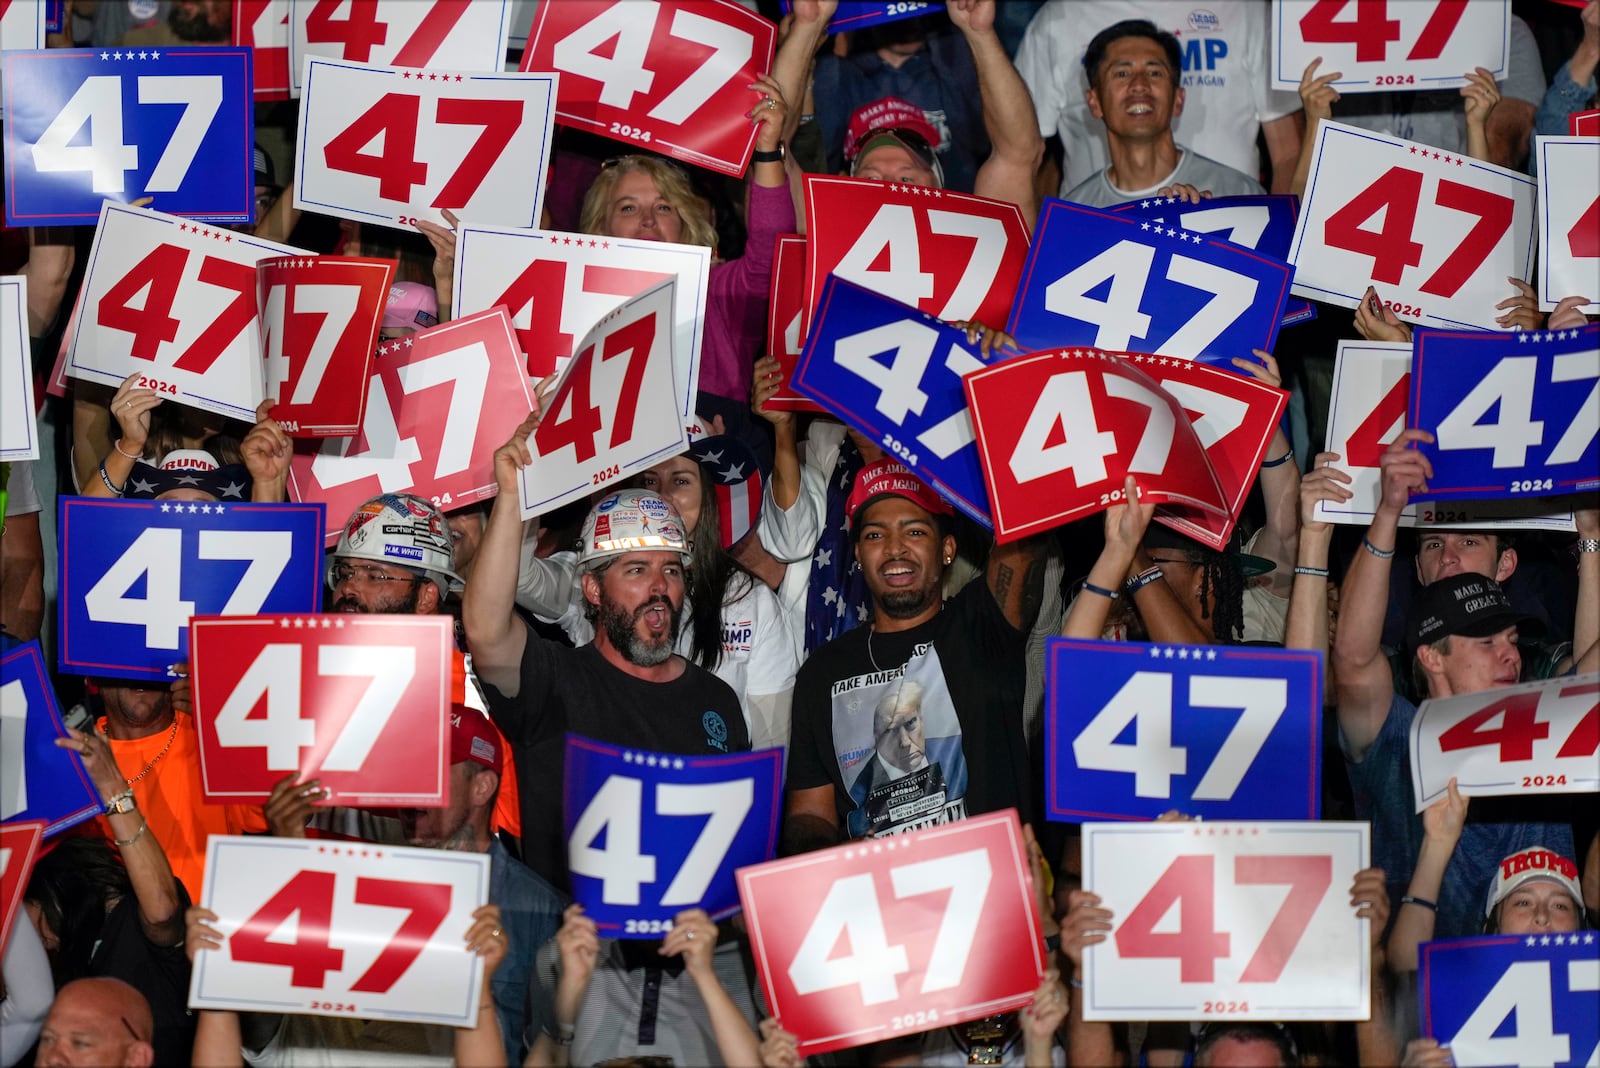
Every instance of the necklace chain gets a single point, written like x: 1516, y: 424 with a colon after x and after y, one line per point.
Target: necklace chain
x: 171, y: 736
x: 871, y: 631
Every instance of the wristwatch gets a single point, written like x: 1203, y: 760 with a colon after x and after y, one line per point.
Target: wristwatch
x: 121, y: 804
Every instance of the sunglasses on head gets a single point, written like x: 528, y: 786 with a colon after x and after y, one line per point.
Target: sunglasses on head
x: 639, y: 157
x: 913, y: 140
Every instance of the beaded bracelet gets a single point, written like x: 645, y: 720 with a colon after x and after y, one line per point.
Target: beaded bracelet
x: 130, y: 455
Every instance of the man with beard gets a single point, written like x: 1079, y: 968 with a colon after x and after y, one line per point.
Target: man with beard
x: 627, y: 687
x: 959, y: 666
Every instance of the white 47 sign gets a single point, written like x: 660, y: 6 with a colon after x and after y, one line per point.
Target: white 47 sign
x: 1263, y: 930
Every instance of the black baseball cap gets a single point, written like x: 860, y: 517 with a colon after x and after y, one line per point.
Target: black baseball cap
x: 1473, y: 606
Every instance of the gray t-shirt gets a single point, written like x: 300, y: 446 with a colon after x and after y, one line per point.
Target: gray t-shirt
x: 1206, y: 175
x: 1437, y: 117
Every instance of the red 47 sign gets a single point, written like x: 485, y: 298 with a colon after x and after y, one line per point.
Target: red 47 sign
x: 1379, y: 45
x: 439, y: 403
x: 1047, y: 460
x: 358, y: 701
x: 558, y: 286
x: 952, y: 255
x: 176, y: 302
x: 671, y: 76
x: 378, y: 932
x: 1436, y: 233
x: 1265, y: 930
x: 1569, y: 220
x: 1536, y: 738
x: 19, y: 846
x: 472, y: 143
x: 942, y: 926
x: 319, y: 324
x: 612, y: 412
x: 263, y: 25
x: 1234, y: 416
x: 440, y: 34
x: 784, y: 312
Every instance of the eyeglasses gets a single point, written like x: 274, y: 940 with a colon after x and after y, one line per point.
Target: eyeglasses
x: 639, y: 157
x: 364, y: 576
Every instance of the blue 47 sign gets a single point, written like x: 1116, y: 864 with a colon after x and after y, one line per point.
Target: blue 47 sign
x: 38, y: 779
x: 652, y: 834
x: 133, y: 572
x: 894, y: 373
x: 1126, y: 284
x: 859, y: 14
x: 1133, y: 730
x: 1513, y: 999
x: 1513, y: 415
x: 84, y: 125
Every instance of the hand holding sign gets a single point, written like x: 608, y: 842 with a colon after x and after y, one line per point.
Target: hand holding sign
x: 38, y: 780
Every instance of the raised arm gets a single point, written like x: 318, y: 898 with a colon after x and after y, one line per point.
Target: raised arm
x: 1307, y: 626
x: 1125, y: 525
x: 1008, y: 115
x: 1280, y: 487
x: 1317, y: 97
x: 480, y: 1045
x: 218, y: 1040
x: 1365, y: 684
x: 694, y: 938
x: 1419, y: 909
x: 495, y: 635
x: 1586, y: 626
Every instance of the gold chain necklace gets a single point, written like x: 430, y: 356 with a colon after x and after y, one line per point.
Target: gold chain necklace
x: 171, y: 735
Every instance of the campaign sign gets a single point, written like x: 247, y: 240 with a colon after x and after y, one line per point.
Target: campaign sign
x: 23, y: 25
x: 1378, y: 45
x: 1249, y: 720
x: 1534, y: 738
x: 54, y: 15
x: 83, y: 125
x: 1127, y: 284
x: 477, y: 144
x: 1232, y: 943
x: 19, y: 846
x: 1235, y: 416
x: 263, y: 27
x: 953, y: 255
x: 1436, y: 233
x: 612, y: 413
x: 558, y: 286
x: 1569, y: 221
x: 437, y: 34
x: 379, y: 932
x: 319, y: 324
x: 38, y: 779
x: 1046, y: 459
x: 1371, y: 382
x: 133, y: 572
x: 1264, y: 222
x: 894, y: 373
x: 941, y: 925
x: 671, y: 77
x: 698, y: 817
x: 374, y: 690
x: 784, y: 312
x: 19, y: 433
x: 1584, y: 124
x: 439, y: 403
x: 1514, y: 415
x: 1512, y: 999
x: 176, y: 302
x: 859, y: 14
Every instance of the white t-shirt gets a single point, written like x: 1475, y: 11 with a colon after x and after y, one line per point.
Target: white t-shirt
x: 1226, y: 77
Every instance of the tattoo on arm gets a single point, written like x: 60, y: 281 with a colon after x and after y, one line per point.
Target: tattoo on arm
x: 1002, y: 583
x: 1032, y: 593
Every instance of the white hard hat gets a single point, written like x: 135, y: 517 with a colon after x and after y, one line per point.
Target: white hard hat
x: 404, y: 530
x: 631, y: 521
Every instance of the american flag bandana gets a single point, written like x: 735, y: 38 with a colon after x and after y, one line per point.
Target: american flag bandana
x: 837, y: 598
x: 730, y: 466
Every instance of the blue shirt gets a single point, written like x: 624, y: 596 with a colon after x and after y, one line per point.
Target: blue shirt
x: 530, y: 915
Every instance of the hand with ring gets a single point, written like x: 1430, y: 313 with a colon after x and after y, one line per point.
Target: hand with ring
x: 131, y: 407
x: 486, y: 939
x: 694, y: 937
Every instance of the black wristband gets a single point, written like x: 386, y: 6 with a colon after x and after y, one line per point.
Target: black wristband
x: 760, y: 156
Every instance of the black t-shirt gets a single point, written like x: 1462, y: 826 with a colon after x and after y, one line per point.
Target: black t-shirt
x: 916, y: 727
x: 566, y: 689
x: 160, y: 973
